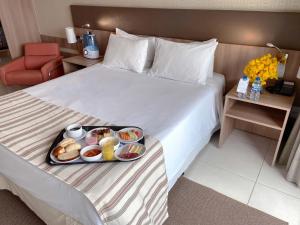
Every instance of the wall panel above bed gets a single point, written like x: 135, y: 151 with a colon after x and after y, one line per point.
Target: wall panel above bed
x: 232, y: 27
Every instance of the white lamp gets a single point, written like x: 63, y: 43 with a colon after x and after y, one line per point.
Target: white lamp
x: 87, y: 26
x: 273, y: 46
x: 282, y: 57
x: 70, y: 33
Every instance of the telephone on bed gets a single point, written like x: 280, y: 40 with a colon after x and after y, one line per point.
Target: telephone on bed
x: 282, y: 87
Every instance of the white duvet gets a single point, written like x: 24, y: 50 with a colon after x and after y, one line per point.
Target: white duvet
x: 182, y: 116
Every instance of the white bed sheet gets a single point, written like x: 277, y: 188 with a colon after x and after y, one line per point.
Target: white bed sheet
x: 182, y: 116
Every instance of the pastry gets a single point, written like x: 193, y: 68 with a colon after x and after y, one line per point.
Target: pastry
x: 67, y: 156
x: 58, y: 150
x: 67, y: 141
x: 73, y: 147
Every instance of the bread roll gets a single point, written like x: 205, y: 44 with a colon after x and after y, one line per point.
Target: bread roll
x: 58, y: 150
x: 73, y: 147
x: 67, y: 141
x: 68, y: 156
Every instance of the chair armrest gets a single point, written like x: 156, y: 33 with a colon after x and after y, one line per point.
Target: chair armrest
x: 15, y: 65
x: 50, y: 67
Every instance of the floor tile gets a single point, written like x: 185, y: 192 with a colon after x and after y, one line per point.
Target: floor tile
x: 274, y: 177
x: 220, y: 180
x: 276, y: 203
x: 242, y: 153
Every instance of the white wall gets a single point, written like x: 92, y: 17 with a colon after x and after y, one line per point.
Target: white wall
x: 54, y: 15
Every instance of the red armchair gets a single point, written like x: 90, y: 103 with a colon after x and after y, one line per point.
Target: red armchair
x: 42, y: 62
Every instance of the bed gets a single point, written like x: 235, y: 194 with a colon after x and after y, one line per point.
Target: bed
x: 181, y: 116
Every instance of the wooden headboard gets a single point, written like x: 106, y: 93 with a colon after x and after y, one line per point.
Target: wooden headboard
x: 231, y: 27
x: 242, y: 34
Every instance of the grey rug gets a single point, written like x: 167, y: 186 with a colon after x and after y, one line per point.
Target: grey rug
x: 194, y: 204
x: 189, y: 204
x: 14, y: 212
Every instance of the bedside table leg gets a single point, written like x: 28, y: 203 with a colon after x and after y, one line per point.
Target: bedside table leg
x: 227, y: 122
x: 227, y: 126
x: 280, y: 137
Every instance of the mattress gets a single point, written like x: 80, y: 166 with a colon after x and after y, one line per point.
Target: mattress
x: 178, y: 114
x: 182, y: 116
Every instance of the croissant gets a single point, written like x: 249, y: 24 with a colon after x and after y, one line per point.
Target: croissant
x: 68, y: 156
x: 67, y: 141
x: 73, y: 147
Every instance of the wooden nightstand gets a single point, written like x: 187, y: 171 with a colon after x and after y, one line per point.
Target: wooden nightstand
x: 266, y: 117
x: 78, y: 62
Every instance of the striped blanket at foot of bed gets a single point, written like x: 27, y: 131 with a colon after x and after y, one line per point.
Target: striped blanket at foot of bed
x: 122, y: 193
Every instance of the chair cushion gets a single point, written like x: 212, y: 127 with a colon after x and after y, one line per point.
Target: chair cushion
x: 42, y: 49
x: 38, y: 54
x: 24, y: 77
x: 36, y: 62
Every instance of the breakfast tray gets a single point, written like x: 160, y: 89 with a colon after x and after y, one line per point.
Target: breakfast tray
x: 59, y: 138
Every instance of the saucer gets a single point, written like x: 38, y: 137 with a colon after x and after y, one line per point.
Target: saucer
x: 65, y: 135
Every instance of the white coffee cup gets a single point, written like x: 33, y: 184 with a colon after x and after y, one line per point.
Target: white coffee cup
x: 74, y: 130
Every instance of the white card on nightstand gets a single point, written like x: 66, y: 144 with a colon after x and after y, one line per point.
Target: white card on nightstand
x: 243, y: 85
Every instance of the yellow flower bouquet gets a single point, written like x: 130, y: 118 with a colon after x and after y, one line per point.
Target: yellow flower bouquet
x: 264, y: 67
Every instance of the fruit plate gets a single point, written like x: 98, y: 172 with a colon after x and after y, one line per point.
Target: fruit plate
x: 130, y: 134
x: 59, y: 138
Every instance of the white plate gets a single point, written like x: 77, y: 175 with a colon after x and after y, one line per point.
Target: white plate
x: 125, y: 147
x: 100, y: 128
x: 54, y: 159
x: 65, y: 135
x: 130, y: 128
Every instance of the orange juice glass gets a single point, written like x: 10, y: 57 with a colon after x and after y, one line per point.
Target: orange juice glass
x: 108, y: 151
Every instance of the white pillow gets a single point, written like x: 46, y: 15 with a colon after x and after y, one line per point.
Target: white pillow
x: 187, y: 62
x: 126, y: 53
x: 151, y: 45
x: 212, y: 61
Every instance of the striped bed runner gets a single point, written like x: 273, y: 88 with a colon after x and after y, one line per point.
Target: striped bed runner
x: 122, y: 193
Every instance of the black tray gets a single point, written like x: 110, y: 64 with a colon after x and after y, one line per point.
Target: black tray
x: 59, y: 138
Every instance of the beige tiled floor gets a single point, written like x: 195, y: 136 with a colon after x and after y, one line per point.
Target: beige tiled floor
x: 241, y: 170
